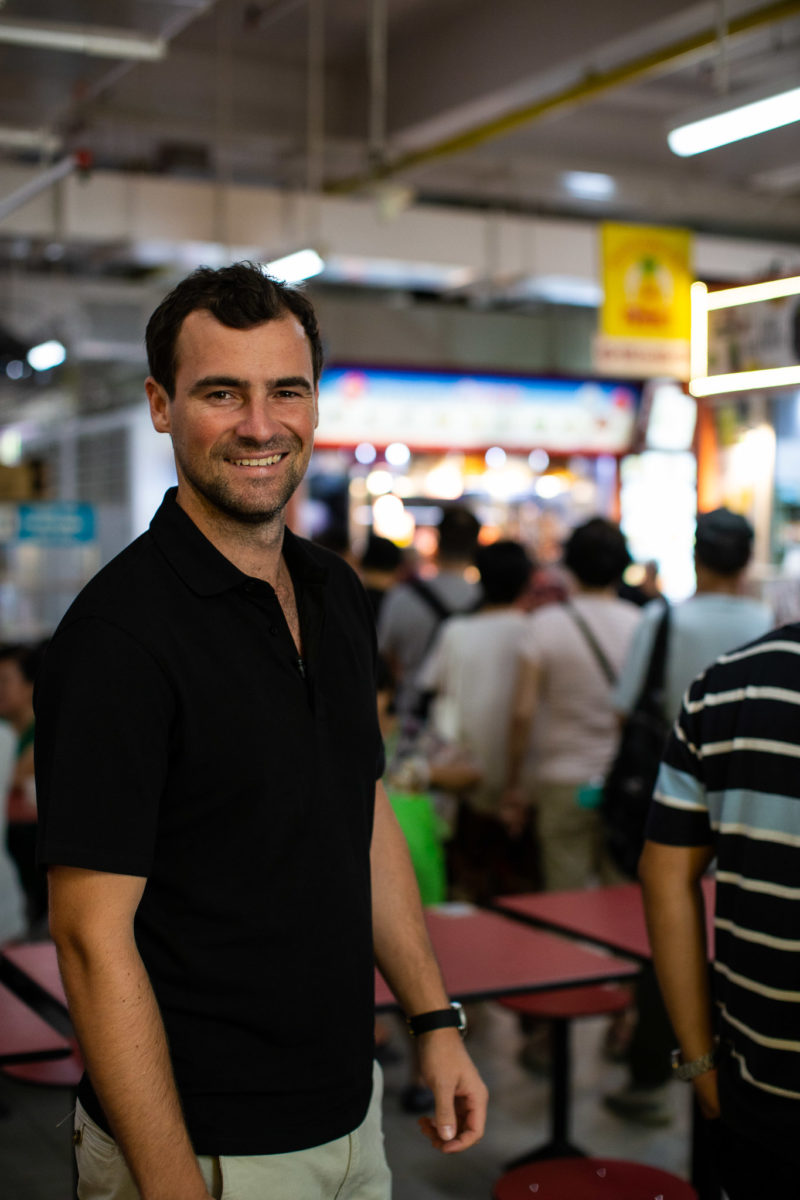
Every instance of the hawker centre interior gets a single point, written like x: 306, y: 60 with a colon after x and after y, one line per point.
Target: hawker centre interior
x: 538, y: 301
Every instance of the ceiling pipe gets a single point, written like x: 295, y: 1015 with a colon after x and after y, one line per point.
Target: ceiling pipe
x: 45, y: 179
x: 578, y: 93
x: 377, y: 49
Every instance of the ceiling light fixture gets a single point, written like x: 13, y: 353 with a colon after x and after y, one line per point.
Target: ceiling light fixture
x: 81, y: 39
x: 17, y: 138
x: 741, y: 117
x: 703, y: 301
x: 589, y: 185
x: 294, y: 268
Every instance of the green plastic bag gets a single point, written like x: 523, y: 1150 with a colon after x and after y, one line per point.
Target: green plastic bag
x: 417, y: 819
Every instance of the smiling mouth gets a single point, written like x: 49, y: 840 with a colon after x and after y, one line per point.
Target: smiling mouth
x: 268, y: 460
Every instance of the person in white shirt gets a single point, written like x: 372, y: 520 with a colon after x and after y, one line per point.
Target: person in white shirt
x: 563, y: 721
x: 471, y: 670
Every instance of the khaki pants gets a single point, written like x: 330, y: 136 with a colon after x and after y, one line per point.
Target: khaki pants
x: 351, y: 1168
x: 570, y: 840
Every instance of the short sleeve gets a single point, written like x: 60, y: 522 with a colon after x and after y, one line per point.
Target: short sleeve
x: 679, y: 813
x: 104, y: 716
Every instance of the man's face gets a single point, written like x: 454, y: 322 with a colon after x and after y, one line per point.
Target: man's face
x: 243, y: 415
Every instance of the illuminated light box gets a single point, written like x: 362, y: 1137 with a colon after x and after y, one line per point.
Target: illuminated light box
x: 745, y: 338
x: 439, y: 410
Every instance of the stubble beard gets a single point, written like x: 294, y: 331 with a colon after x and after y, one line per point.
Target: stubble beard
x: 249, y: 503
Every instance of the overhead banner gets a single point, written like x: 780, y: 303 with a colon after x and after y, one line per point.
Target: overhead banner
x: 440, y: 410
x: 645, y: 319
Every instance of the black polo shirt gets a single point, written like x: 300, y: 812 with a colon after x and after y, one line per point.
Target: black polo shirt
x: 180, y: 738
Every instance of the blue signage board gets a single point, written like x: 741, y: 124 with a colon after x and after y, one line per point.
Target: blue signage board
x: 59, y: 522
x: 434, y: 410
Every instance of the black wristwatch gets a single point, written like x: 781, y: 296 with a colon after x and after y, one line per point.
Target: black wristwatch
x: 453, y: 1017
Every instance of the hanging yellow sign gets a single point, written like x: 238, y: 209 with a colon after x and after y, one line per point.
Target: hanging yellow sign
x: 647, y: 275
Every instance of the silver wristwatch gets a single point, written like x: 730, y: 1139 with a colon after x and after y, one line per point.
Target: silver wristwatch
x: 698, y: 1066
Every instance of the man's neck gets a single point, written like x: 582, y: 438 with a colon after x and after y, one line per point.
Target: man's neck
x: 256, y: 549
x: 712, y: 583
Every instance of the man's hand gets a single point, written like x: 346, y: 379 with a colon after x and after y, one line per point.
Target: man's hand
x: 461, y: 1095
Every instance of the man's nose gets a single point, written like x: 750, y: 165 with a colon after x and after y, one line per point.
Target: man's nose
x: 257, y: 420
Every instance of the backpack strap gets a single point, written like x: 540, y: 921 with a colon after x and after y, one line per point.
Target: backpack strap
x: 592, y: 643
x: 426, y: 593
x: 653, y: 685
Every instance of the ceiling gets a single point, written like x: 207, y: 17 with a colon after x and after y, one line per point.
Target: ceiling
x: 285, y: 93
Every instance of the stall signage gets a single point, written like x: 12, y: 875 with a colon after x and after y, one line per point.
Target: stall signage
x: 57, y: 522
x: 645, y: 318
x: 442, y: 411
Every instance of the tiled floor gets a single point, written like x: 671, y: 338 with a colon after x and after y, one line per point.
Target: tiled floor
x: 35, y: 1138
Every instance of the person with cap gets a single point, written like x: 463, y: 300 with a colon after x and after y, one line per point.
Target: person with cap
x: 717, y: 618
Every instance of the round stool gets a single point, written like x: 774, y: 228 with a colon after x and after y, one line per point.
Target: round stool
x: 591, y: 1179
x: 56, y: 1072
x: 560, y: 1006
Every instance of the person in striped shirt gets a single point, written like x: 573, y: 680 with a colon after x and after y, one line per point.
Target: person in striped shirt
x: 729, y: 788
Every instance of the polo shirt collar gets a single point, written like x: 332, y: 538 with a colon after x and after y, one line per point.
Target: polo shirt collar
x: 202, y: 566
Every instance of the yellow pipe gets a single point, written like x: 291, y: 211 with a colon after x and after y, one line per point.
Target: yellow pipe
x: 575, y: 94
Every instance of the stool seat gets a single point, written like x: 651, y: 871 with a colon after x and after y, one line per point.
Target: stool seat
x: 591, y: 1179
x: 564, y: 1004
x: 60, y: 1072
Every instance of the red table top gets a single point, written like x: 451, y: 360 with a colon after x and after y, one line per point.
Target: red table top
x: 24, y: 1036
x: 484, y: 955
x: 38, y: 961
x: 611, y: 916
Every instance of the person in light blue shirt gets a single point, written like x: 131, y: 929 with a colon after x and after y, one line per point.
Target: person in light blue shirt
x: 717, y: 618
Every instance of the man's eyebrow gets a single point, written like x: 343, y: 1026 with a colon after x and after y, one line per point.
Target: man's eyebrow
x: 291, y: 381
x: 232, y: 381
x: 217, y: 381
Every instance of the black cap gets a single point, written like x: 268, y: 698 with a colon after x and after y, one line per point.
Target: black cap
x: 724, y: 541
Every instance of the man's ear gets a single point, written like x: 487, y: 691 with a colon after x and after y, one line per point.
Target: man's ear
x: 159, y: 405
x: 316, y: 406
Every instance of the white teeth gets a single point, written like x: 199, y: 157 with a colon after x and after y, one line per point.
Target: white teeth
x: 258, y: 462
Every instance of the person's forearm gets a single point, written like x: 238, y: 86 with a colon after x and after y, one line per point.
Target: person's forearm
x: 121, y: 1035
x: 402, y: 947
x: 676, y: 926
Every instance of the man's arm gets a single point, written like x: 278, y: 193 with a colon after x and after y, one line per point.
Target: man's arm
x: 404, y: 954
x: 674, y: 908
x: 120, y: 1030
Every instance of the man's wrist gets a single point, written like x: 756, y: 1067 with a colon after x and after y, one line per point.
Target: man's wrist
x: 696, y: 1067
x: 451, y: 1017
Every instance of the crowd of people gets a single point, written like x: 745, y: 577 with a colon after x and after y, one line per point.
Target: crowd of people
x: 533, y: 698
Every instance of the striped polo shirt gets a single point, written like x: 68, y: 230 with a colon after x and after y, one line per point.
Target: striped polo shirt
x: 731, y: 779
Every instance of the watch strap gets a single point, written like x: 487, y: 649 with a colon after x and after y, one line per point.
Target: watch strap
x: 439, y: 1018
x: 698, y: 1066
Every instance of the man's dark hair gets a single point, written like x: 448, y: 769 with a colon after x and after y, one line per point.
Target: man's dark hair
x: 458, y: 534
x: 239, y: 296
x: 28, y: 657
x: 505, y: 570
x: 597, y: 553
x: 724, y: 541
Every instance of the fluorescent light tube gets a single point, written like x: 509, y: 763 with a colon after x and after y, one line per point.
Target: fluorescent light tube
x: 46, y: 355
x: 744, y: 121
x: 293, y: 268
x: 17, y: 138
x: 81, y: 39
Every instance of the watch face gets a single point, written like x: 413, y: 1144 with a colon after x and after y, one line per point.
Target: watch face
x: 462, y: 1016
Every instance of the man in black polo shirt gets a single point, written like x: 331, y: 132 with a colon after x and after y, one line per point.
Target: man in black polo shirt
x: 222, y: 863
